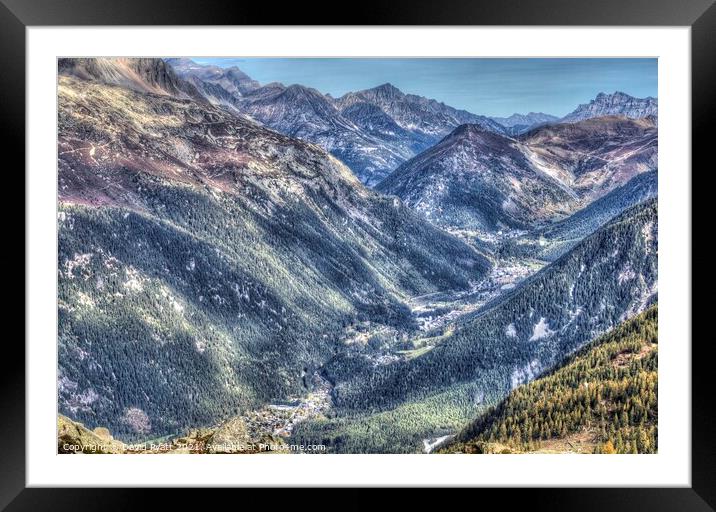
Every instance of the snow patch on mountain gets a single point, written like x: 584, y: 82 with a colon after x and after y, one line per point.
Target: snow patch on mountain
x: 541, y: 330
x: 626, y: 274
x: 524, y: 374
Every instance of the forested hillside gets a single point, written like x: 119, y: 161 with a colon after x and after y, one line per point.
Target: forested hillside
x: 605, y: 279
x: 603, y: 399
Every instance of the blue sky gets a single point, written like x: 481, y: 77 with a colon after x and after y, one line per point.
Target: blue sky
x: 495, y: 87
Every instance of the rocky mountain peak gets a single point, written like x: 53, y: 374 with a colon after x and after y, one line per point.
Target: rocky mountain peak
x: 387, y: 90
x: 468, y: 129
x: 147, y: 75
x: 232, y: 79
x: 616, y: 95
x: 302, y: 90
x: 475, y: 134
x: 617, y: 103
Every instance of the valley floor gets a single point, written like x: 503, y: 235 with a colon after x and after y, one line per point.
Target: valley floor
x: 439, y: 310
x: 279, y: 418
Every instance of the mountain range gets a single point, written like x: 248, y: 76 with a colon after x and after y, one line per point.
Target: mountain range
x: 372, y: 131
x: 375, y: 130
x: 372, y: 272
x: 227, y: 255
x: 478, y: 180
x: 371, y: 147
x: 603, y: 105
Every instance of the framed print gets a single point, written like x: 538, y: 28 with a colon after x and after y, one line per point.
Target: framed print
x: 433, y: 248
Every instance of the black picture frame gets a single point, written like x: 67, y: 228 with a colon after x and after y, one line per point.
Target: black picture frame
x: 17, y: 15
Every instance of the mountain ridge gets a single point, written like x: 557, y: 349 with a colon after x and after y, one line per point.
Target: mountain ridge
x: 140, y: 74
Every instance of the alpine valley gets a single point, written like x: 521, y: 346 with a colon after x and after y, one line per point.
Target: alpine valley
x: 248, y: 267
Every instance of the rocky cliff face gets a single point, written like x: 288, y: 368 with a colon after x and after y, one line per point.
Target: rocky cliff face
x: 616, y: 104
x: 143, y: 75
